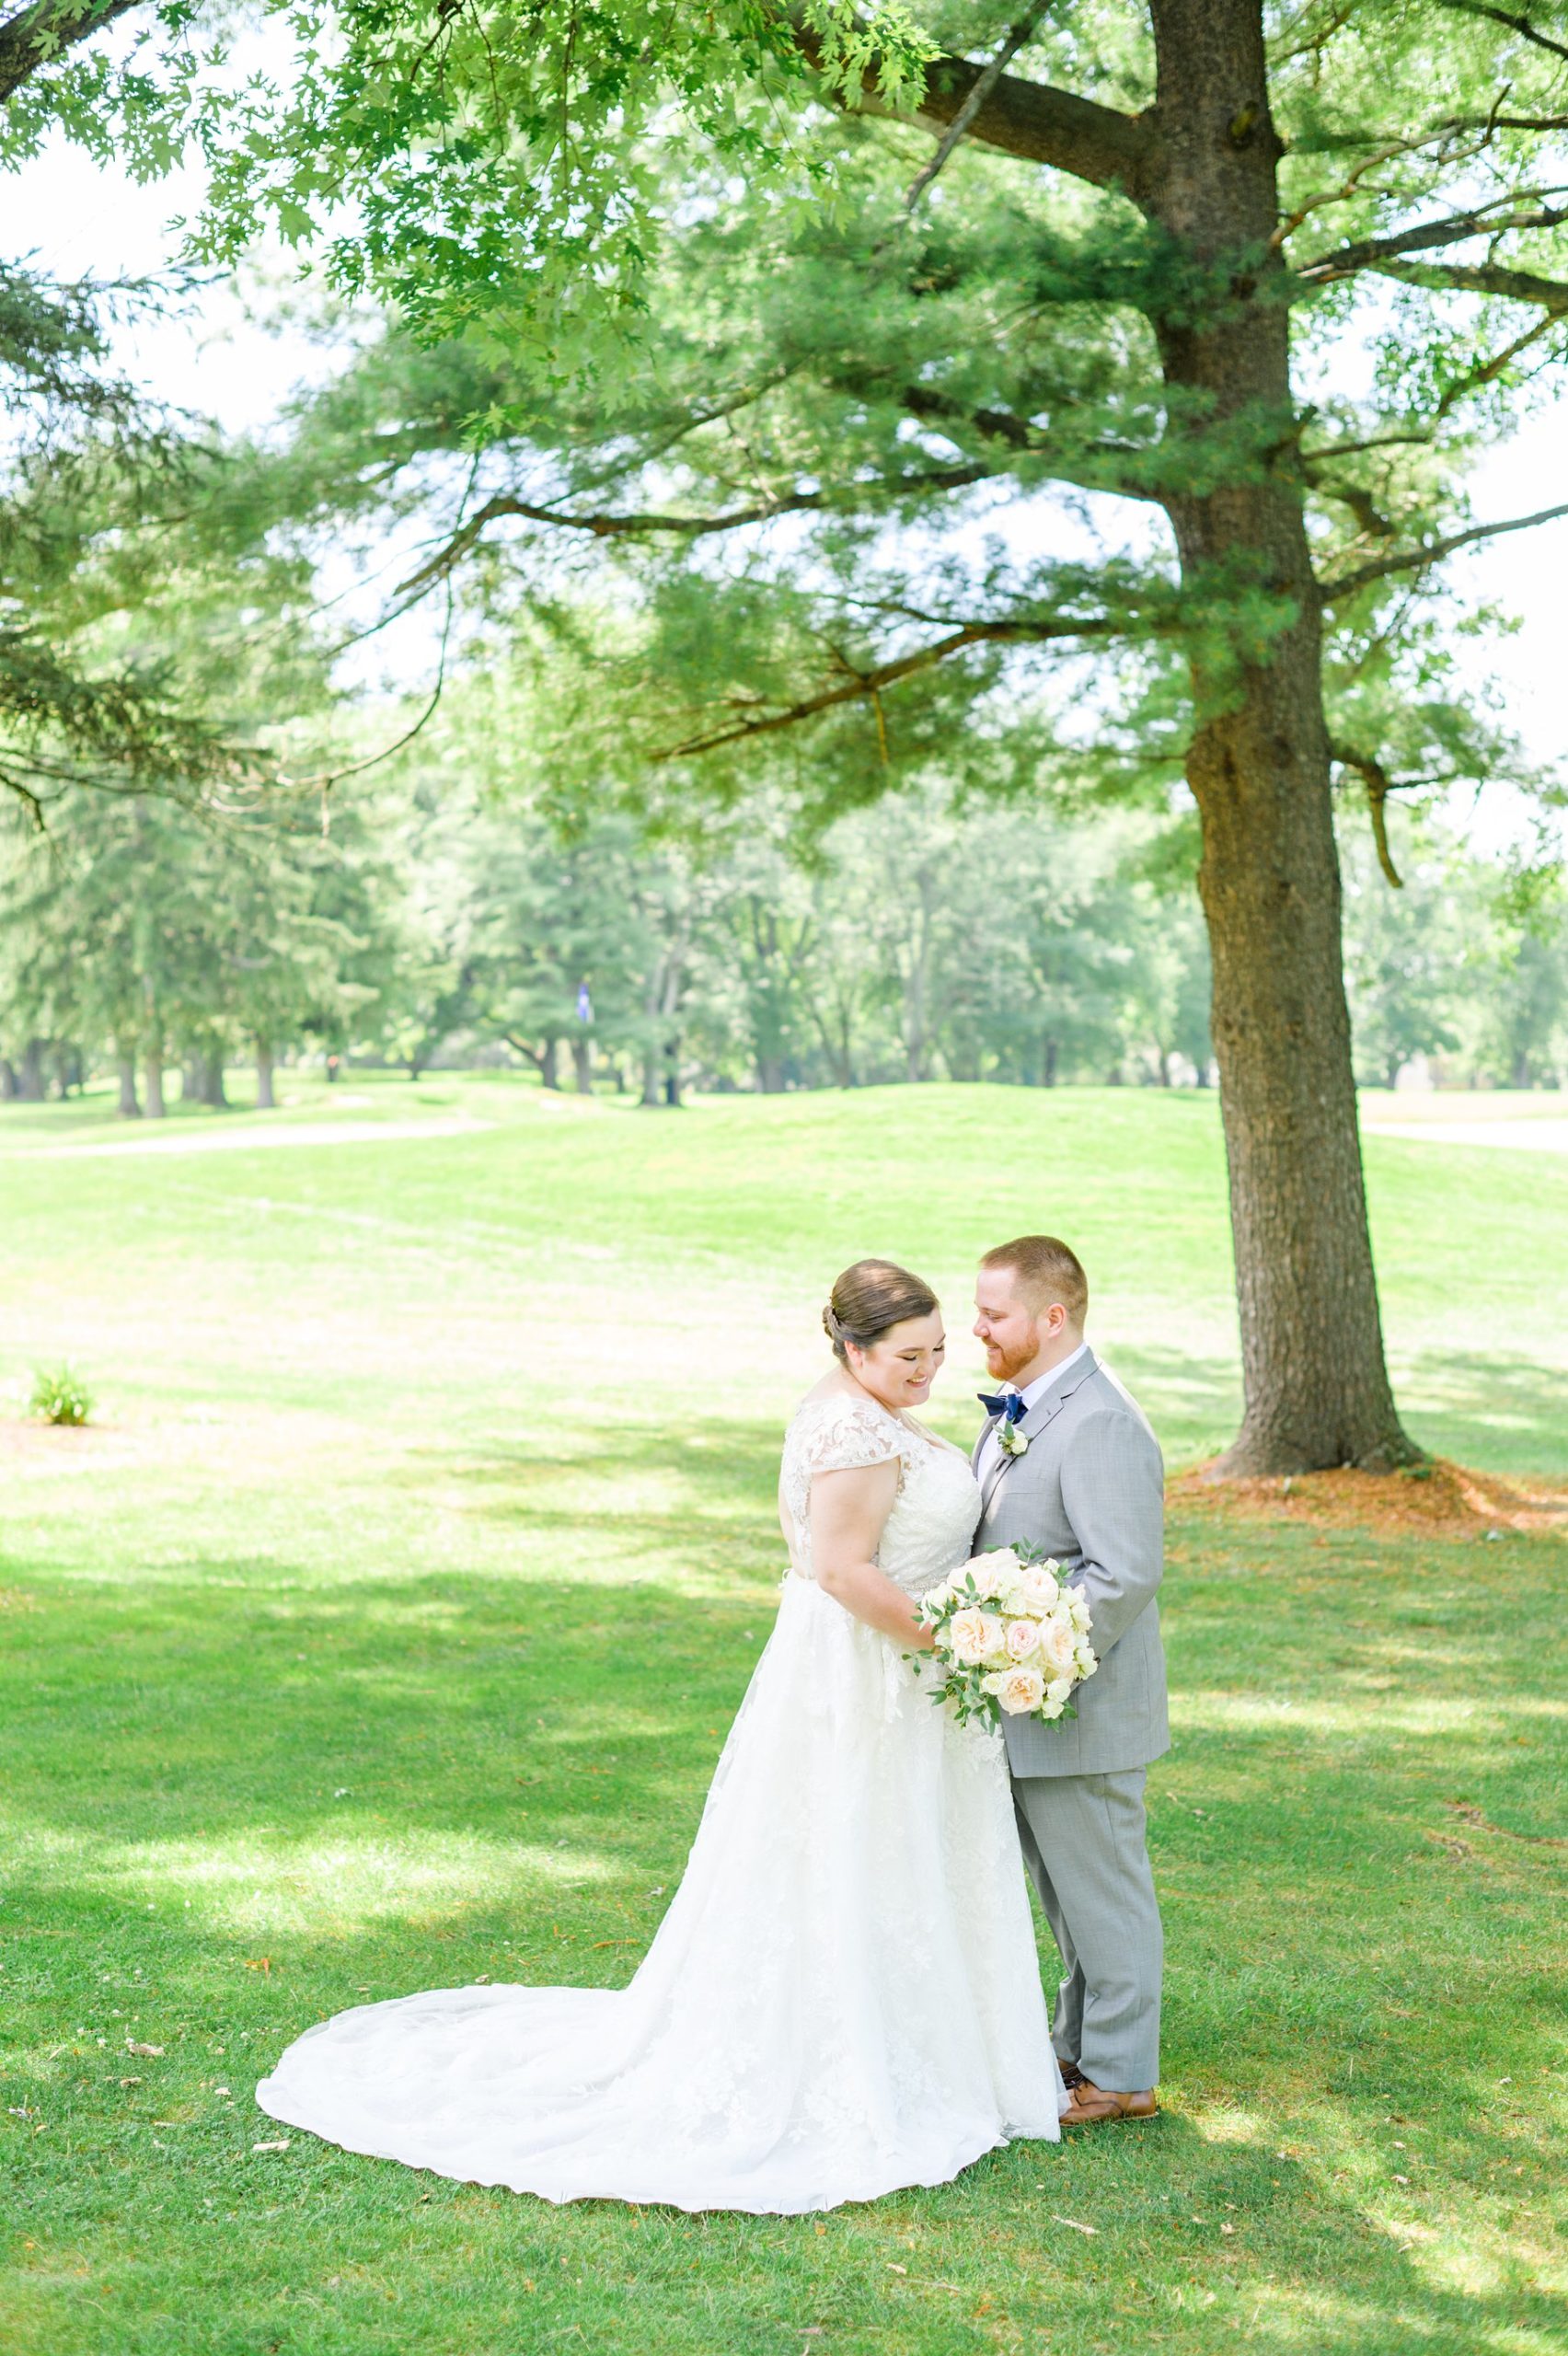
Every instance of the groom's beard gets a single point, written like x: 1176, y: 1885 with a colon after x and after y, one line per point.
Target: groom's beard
x: 1011, y: 1360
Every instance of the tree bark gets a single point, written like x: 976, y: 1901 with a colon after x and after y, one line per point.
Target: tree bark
x: 29, y: 1079
x: 130, y: 1104
x: 202, y: 1082
x: 1317, y: 1389
x: 266, y: 1100
x: 582, y: 1062
x: 7, y: 1080
x: 153, y: 1080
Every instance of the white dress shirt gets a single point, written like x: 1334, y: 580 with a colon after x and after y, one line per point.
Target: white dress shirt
x: 991, y: 1448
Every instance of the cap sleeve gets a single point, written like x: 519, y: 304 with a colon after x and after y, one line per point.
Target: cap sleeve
x: 853, y: 1433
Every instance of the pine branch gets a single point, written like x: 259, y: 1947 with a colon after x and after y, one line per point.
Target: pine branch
x: 1517, y: 24
x: 1414, y: 559
x: 1481, y: 278
x: 870, y: 683
x: 1033, y: 121
x: 644, y: 527
x: 1367, y: 253
x: 35, y: 36
x: 1004, y: 425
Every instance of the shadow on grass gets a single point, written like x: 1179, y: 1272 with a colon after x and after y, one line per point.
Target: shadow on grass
x: 1493, y: 1413
x: 1506, y: 1414
x: 364, y: 1789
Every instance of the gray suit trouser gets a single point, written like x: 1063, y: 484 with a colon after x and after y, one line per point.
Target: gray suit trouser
x: 1083, y: 1842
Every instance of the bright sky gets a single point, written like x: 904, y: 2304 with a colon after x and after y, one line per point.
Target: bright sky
x: 77, y: 220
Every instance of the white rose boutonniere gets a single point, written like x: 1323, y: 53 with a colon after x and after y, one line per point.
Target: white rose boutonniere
x: 1012, y: 1439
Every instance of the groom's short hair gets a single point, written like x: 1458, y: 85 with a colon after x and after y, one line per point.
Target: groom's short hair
x: 1047, y: 1270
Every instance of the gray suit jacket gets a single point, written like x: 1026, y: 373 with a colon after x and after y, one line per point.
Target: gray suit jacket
x: 1090, y: 1488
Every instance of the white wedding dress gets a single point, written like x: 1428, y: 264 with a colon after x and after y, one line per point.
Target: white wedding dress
x: 843, y: 1997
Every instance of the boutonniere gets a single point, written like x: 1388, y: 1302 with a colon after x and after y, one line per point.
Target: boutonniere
x: 1011, y: 1439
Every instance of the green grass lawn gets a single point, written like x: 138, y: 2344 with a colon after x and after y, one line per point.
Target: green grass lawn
x: 287, y: 1720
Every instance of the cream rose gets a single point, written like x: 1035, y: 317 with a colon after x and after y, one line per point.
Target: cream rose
x: 994, y: 1573
x: 1077, y: 1610
x: 971, y: 1634
x: 1058, y: 1690
x: 1018, y: 1690
x: 1037, y: 1589
x: 1022, y: 1638
x: 1058, y: 1646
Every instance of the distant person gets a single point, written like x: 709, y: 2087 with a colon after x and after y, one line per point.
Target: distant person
x: 843, y: 1997
x: 1067, y: 1463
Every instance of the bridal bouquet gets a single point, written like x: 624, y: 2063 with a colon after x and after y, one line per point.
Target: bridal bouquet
x: 1010, y: 1638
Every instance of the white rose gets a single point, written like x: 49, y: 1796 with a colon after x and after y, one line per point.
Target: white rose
x: 1058, y: 1690
x: 994, y: 1573
x: 1022, y: 1637
x: 971, y: 1634
x: 1058, y: 1643
x: 935, y: 1599
x: 1037, y: 1587
x: 1077, y: 1610
x: 1016, y: 1689
x: 1085, y: 1661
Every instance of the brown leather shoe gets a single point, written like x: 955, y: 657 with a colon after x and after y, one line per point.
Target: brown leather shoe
x: 1091, y: 2105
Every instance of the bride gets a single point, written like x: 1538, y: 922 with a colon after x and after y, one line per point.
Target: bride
x: 844, y: 1996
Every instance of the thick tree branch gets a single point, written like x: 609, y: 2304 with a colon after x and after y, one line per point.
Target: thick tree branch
x: 1031, y: 120
x: 870, y: 683
x: 691, y: 527
x: 35, y: 36
x: 1415, y: 559
x: 1368, y: 252
x: 1482, y: 278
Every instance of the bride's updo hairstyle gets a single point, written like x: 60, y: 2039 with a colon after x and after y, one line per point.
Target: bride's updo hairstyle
x: 870, y: 1297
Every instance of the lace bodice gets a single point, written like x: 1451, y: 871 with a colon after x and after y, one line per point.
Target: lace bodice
x: 938, y: 1506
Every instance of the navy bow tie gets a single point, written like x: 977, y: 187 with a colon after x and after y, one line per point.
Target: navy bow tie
x: 1006, y: 1403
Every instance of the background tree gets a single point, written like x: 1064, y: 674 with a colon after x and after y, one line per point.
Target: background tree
x: 1115, y: 267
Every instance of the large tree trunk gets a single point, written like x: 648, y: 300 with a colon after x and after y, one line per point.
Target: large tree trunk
x: 7, y: 1080
x: 266, y: 1100
x: 1317, y: 1391
x: 130, y: 1105
x: 202, y: 1082
x: 582, y: 1062
x: 29, y: 1079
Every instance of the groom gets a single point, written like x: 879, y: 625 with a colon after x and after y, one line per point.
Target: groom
x: 1067, y: 1463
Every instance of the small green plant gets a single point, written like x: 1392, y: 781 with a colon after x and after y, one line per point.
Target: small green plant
x: 60, y: 1397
